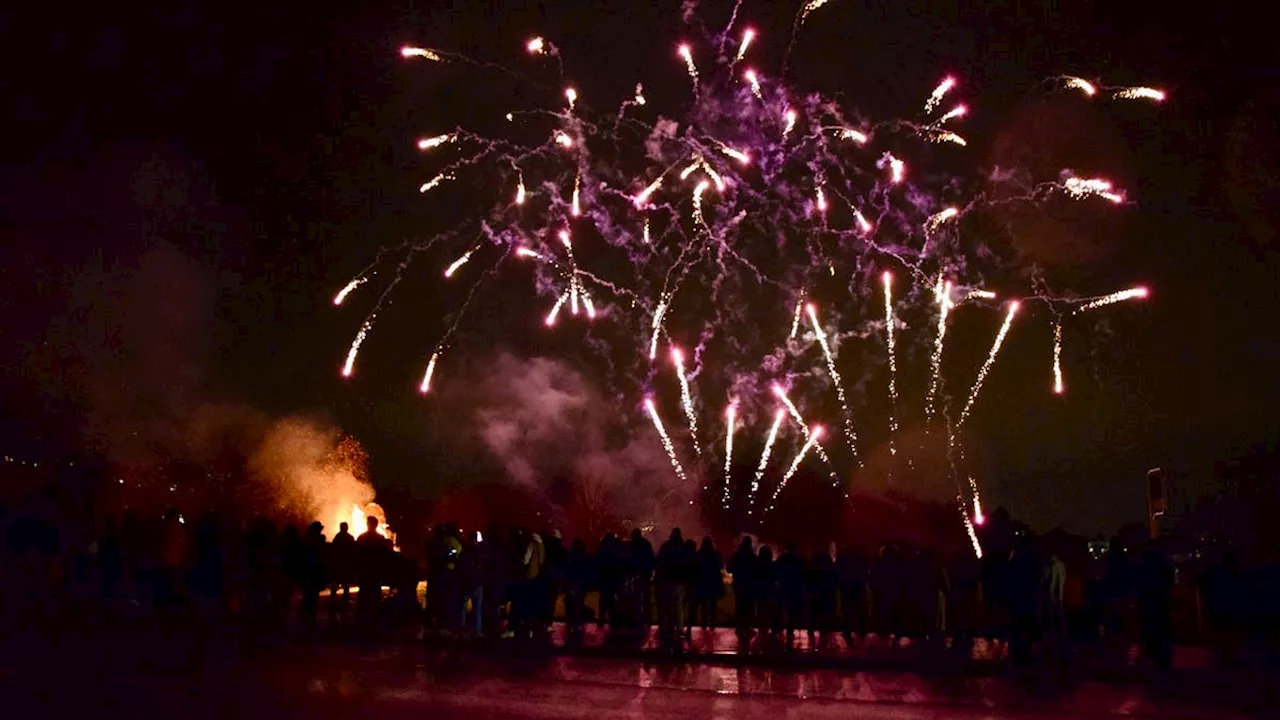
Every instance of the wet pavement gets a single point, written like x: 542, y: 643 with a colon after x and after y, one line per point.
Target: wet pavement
x: 172, y: 673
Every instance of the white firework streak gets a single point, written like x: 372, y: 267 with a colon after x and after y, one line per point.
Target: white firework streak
x: 453, y: 267
x: 426, y: 377
x: 854, y: 135
x: 747, y: 36
x: 434, y: 142
x: 586, y: 303
x: 812, y: 441
x: 968, y: 526
x: 408, y: 52
x: 935, y: 221
x: 935, y: 97
x: 345, y: 291
x: 574, y: 208
x: 687, y: 54
x: 647, y: 240
x: 555, y: 309
x: 520, y: 190
x: 728, y: 452
x: 657, y: 328
x: 942, y: 292
x: 754, y: 82
x: 666, y: 440
x: 1081, y: 188
x: 1058, y: 387
x: 1115, y: 297
x: 643, y: 197
x: 808, y: 8
x: 686, y: 398
x: 1140, y: 93
x: 835, y: 378
x: 778, y: 417
x: 986, y: 367
x: 573, y: 272
x: 955, y: 112
x: 354, y: 350
x: 1080, y: 84
x: 697, y: 202
x: 795, y: 415
x: 978, y: 517
x: 795, y: 319
x: 941, y: 136
x: 433, y: 182
x: 893, y: 363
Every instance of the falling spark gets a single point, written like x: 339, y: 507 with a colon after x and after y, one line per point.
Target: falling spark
x: 639, y: 99
x: 968, y: 526
x: 978, y: 517
x: 591, y: 308
x: 1140, y: 93
x: 434, y: 182
x: 942, y: 293
x: 666, y: 441
x: 408, y: 52
x: 893, y: 361
x: 1115, y: 297
x: 643, y: 197
x: 715, y: 176
x: 854, y: 135
x: 754, y: 82
x: 520, y: 190
x: 685, y: 173
x: 863, y: 224
x: 535, y: 46
x: 573, y: 279
x: 1080, y: 188
x: 983, y: 294
x: 991, y: 358
x: 957, y: 111
x: 647, y: 240
x: 781, y: 394
x: 657, y: 327
x: 790, y: 117
x: 738, y: 155
x: 732, y: 418
x: 431, y: 369
x: 1081, y: 84
x: 449, y: 271
x: 572, y: 96
x: 345, y: 291
x: 931, y: 225
x: 435, y: 142
x: 747, y: 36
x: 526, y: 252
x: 574, y: 208
x: 1058, y: 387
x: 822, y: 201
x: 835, y: 377
x: 564, y: 140
x: 935, y: 97
x: 813, y: 433
x: 555, y: 309
x: 795, y: 319
x: 940, y: 136
x: 697, y: 201
x: 354, y: 350
x: 686, y: 397
x: 808, y: 8
x: 778, y: 416
x: 687, y: 54
x: 897, y: 168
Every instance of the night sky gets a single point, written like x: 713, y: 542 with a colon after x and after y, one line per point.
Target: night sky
x: 185, y: 188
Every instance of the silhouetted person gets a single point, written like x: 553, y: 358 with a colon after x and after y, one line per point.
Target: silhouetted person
x: 709, y: 587
x: 577, y: 576
x: 608, y: 578
x: 1155, y: 580
x: 820, y: 583
x: 1024, y: 580
x: 494, y: 569
x: 341, y: 566
x: 742, y: 566
x: 642, y: 564
x: 851, y: 580
x: 671, y: 556
x: 372, y: 557
x: 791, y: 590
x: 311, y: 573
x: 764, y: 589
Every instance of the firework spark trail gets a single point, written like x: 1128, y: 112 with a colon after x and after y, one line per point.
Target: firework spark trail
x: 986, y: 366
x: 738, y: 155
x: 433, y: 182
x: 897, y: 168
x: 747, y: 36
x: 942, y: 293
x: 795, y: 318
x: 346, y: 290
x: 778, y: 416
x: 835, y: 377
x: 555, y: 309
x: 936, y: 220
x: 425, y: 387
x: 526, y: 252
x: 754, y: 81
x: 821, y: 200
x: 955, y: 112
x: 978, y: 517
x: 1140, y: 93
x: 643, y: 198
x: 657, y: 326
x: 647, y: 239
x: 575, y: 209
x: 697, y: 203
x: 789, y: 117
x: 1081, y: 188
x: 435, y: 142
x: 983, y: 294
x: 863, y: 224
x: 574, y: 288
x: 687, y: 54
x: 571, y: 95
x: 1115, y: 297
x: 813, y: 434
x: 854, y: 135
x: 520, y: 191
x: 354, y: 350
x: 893, y: 362
x: 732, y: 414
x: 666, y: 440
x: 804, y: 429
x: 935, y: 97
x: 408, y: 52
x: 686, y: 398
x: 1058, y: 387
x: 968, y: 526
x: 1076, y: 83
x: 941, y: 136
x: 462, y: 260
